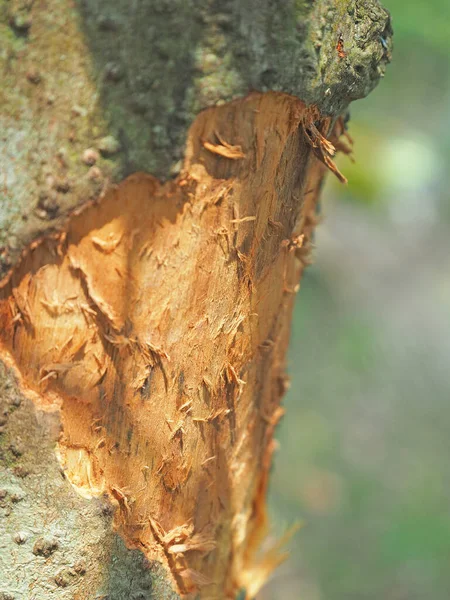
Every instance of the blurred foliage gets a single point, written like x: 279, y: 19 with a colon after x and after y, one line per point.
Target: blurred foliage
x: 411, y: 103
x: 364, y: 457
x: 428, y: 22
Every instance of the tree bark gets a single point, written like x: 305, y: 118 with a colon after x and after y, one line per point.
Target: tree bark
x: 143, y: 324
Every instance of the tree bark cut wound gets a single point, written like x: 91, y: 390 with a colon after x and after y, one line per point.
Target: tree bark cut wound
x: 157, y: 324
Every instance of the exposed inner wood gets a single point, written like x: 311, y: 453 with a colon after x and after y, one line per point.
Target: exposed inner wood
x: 157, y: 324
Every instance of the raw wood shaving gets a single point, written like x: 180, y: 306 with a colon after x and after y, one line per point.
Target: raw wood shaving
x: 314, y: 127
x: 224, y: 148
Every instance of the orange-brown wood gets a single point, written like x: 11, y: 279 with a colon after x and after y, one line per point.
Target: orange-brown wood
x: 157, y: 324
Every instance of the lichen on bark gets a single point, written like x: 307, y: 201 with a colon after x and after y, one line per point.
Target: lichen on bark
x: 129, y: 79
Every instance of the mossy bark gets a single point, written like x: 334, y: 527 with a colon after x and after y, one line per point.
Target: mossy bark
x: 92, y: 91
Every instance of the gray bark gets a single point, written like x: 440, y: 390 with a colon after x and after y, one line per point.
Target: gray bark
x: 125, y: 79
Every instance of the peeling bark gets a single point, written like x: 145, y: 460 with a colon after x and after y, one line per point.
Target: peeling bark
x: 152, y: 323
x: 157, y: 324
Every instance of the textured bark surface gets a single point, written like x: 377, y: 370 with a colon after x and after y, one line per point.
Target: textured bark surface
x: 153, y: 331
x: 126, y: 81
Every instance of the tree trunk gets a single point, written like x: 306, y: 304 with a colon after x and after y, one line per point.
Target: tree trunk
x: 143, y: 324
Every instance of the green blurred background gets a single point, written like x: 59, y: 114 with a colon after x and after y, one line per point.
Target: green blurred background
x: 364, y: 457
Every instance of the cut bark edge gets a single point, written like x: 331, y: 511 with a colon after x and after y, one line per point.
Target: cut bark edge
x: 192, y: 434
